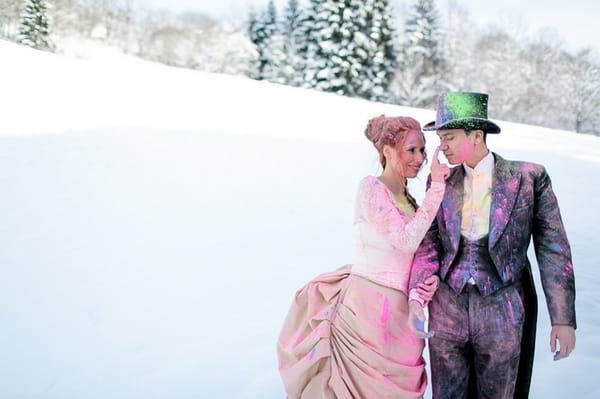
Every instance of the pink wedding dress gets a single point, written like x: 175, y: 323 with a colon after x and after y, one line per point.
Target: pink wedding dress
x: 346, y: 333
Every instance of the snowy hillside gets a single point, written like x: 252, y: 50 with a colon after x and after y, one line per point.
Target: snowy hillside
x: 155, y: 223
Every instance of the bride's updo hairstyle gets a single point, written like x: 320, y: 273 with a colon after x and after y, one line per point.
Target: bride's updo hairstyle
x: 392, y: 131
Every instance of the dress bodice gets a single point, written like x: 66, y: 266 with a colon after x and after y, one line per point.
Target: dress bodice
x: 386, y: 237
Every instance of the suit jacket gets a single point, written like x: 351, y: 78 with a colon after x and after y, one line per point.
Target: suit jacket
x: 523, y: 207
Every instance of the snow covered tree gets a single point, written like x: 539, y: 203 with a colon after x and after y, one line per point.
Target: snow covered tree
x: 274, y: 69
x: 348, y: 47
x: 293, y: 30
x: 422, y: 62
x: 310, y: 44
x: 10, y: 18
x: 222, y: 48
x: 378, y: 69
x: 334, y: 65
x: 195, y: 41
x: 583, y: 94
x: 261, y: 28
x: 274, y: 50
x: 511, y: 89
x: 256, y: 36
x: 34, y: 31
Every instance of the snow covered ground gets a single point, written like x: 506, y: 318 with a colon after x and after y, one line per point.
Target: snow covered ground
x: 155, y: 223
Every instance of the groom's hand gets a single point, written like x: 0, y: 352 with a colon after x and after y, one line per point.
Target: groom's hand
x: 565, y: 335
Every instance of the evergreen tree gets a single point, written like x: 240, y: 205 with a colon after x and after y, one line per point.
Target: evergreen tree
x: 310, y: 45
x: 378, y: 69
x: 422, y: 62
x: 274, y: 49
x: 261, y: 28
x: 347, y: 47
x: 275, y: 67
x: 34, y: 31
x: 342, y: 45
x: 294, y: 43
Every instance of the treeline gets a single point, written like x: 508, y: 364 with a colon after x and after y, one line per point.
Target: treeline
x: 358, y: 48
x: 188, y: 39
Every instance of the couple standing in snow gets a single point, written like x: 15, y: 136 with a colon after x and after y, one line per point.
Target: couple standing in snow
x: 353, y: 332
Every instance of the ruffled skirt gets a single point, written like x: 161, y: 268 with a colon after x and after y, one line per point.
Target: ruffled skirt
x: 347, y: 337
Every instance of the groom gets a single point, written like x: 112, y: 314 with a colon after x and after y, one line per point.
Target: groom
x: 484, y: 311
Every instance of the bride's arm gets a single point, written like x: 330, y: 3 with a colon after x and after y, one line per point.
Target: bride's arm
x: 376, y: 205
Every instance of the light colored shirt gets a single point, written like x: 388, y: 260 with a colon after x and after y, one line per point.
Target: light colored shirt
x: 477, y: 198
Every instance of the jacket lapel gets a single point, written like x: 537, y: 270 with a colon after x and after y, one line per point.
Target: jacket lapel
x: 505, y: 186
x: 452, y: 205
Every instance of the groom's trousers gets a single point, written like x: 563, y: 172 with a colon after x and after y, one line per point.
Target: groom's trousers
x: 477, y: 343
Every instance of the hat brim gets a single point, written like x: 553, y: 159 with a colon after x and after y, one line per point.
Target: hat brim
x: 467, y: 124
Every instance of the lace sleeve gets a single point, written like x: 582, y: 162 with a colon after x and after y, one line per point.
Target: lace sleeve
x: 377, y: 208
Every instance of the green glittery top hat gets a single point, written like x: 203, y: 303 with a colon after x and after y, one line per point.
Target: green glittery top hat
x: 462, y: 110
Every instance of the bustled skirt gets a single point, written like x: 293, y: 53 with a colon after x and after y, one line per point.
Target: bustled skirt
x: 347, y: 337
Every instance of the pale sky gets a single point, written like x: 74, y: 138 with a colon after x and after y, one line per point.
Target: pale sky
x: 575, y: 21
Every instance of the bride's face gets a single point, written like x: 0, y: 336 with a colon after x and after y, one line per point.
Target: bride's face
x: 408, y: 156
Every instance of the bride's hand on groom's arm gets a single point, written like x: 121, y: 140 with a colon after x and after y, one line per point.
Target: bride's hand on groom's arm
x: 416, y: 316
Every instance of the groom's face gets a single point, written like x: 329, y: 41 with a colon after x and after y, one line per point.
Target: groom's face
x: 456, y: 145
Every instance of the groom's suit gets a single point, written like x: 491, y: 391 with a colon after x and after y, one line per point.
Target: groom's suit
x: 523, y: 206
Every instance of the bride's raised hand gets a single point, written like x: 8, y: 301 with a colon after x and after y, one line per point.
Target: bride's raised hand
x: 439, y: 171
